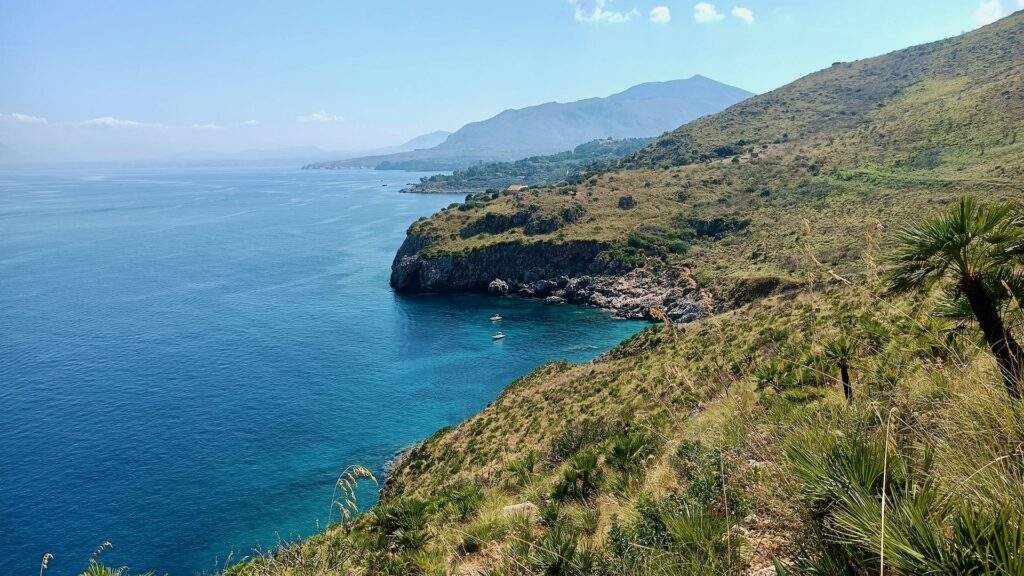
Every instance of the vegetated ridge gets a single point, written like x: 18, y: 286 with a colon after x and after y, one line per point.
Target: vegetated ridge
x: 533, y: 171
x: 723, y: 209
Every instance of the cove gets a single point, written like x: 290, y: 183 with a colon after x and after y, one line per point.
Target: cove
x: 191, y: 355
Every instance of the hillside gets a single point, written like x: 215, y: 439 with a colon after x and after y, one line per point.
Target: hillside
x: 737, y: 223
x: 642, y: 111
x: 724, y: 445
x: 532, y: 171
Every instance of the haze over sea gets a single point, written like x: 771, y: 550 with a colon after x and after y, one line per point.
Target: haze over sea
x: 190, y: 356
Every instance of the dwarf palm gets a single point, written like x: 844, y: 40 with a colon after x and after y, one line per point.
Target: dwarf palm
x: 973, y: 248
x: 842, y: 351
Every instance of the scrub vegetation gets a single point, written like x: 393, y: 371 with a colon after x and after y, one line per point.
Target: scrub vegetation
x: 853, y: 408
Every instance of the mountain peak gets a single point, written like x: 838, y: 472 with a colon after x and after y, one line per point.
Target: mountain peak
x: 643, y: 111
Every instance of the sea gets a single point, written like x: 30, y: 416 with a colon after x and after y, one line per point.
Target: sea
x: 189, y: 356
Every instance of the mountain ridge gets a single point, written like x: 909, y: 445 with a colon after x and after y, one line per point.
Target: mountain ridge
x: 645, y: 110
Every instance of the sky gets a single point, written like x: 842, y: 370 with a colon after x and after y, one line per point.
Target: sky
x: 106, y: 79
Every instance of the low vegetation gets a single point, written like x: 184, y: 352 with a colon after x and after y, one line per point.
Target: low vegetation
x: 532, y: 171
x: 840, y: 428
x: 853, y: 408
x: 821, y: 165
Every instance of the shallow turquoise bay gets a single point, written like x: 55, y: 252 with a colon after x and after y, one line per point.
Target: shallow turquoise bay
x: 189, y: 356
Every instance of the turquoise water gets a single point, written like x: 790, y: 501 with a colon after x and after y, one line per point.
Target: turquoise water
x: 188, y: 357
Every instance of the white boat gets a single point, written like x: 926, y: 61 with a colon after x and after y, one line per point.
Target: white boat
x: 495, y: 318
x: 498, y: 336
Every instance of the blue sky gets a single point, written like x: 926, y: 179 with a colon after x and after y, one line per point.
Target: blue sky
x: 104, y: 79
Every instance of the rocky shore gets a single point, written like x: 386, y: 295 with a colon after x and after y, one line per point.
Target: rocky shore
x: 631, y: 295
x: 559, y: 273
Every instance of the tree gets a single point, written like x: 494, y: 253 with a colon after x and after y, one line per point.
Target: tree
x: 974, y: 250
x: 842, y: 351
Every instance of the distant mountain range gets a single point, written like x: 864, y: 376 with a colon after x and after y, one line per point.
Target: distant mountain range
x: 296, y: 154
x: 642, y: 111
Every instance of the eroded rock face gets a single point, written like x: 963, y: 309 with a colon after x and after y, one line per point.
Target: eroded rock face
x: 632, y: 295
x: 514, y: 263
x: 406, y: 266
x: 558, y: 272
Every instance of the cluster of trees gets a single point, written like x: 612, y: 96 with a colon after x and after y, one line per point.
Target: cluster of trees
x: 532, y: 171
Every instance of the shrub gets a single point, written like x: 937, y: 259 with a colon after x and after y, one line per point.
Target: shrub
x: 627, y: 452
x: 580, y: 479
x: 577, y: 436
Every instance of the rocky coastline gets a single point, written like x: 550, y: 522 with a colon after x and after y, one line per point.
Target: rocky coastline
x: 564, y: 272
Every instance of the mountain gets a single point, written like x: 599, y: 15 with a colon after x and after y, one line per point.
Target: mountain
x: 641, y: 111
x: 721, y: 441
x: 425, y: 141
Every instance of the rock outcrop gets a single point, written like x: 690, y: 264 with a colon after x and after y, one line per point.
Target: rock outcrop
x: 517, y: 264
x: 557, y: 272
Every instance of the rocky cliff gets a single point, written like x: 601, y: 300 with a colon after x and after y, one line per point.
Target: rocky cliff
x: 517, y: 263
x: 559, y: 272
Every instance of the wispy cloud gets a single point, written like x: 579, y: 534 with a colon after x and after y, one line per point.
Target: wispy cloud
x: 16, y: 118
x: 250, y: 122
x: 661, y: 15
x: 103, y: 122
x: 594, y: 11
x: 991, y: 10
x: 705, y: 13
x: 746, y: 14
x: 321, y: 116
x: 111, y: 122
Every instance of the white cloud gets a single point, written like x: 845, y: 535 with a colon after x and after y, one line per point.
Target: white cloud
x: 593, y: 11
x: 22, y: 118
x: 746, y: 15
x: 206, y: 126
x: 991, y: 10
x: 250, y: 122
x: 321, y: 116
x: 704, y: 13
x: 662, y: 15
x: 111, y: 122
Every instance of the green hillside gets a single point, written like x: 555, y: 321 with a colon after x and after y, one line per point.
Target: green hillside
x: 878, y: 152
x: 726, y: 446
x: 532, y: 171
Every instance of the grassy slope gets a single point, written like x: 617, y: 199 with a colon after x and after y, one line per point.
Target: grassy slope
x: 871, y: 141
x: 844, y: 156
x: 690, y: 390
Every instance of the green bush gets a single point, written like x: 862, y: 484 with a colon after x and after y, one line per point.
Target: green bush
x: 580, y: 479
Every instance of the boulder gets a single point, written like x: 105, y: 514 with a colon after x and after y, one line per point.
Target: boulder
x: 497, y: 286
x: 543, y: 287
x: 524, y: 509
x: 554, y: 300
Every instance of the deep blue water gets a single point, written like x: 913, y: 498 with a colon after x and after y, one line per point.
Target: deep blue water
x: 188, y: 357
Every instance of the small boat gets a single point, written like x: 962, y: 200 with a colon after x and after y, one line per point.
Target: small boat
x: 495, y: 318
x: 498, y: 336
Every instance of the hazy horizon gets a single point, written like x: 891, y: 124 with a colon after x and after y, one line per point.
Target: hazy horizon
x: 115, y: 81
